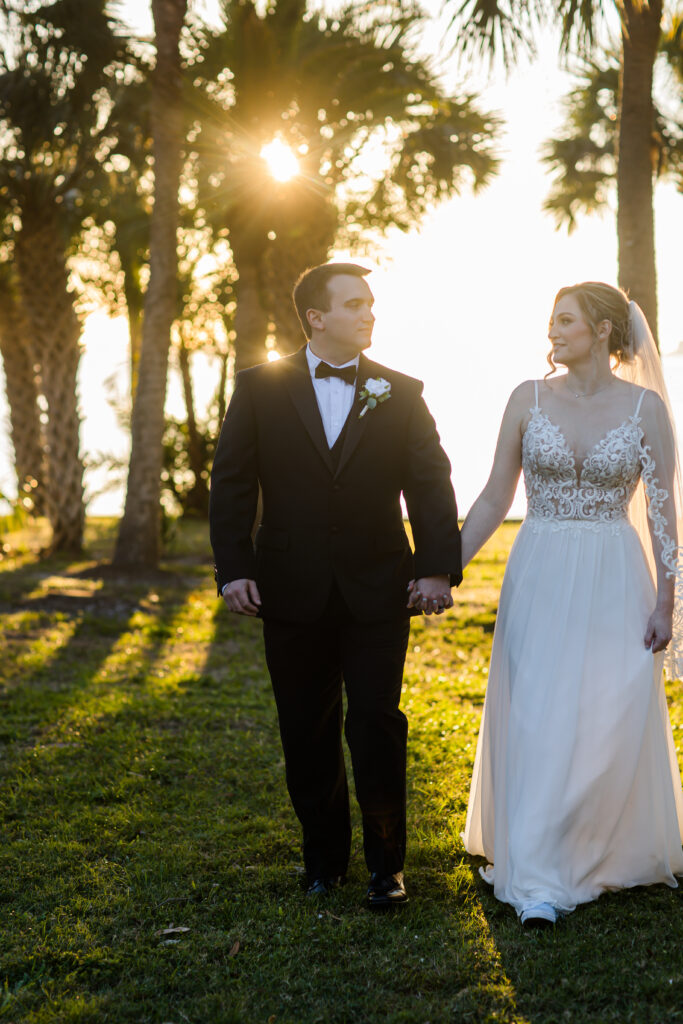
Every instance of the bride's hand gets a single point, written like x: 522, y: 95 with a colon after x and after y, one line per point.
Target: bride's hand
x: 430, y: 595
x: 659, y: 629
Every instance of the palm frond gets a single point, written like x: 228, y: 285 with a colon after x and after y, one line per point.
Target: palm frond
x: 63, y: 69
x: 582, y: 160
x: 487, y: 29
x: 671, y: 45
x: 579, y: 23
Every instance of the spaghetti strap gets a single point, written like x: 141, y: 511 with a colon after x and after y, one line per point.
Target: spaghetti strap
x: 536, y: 406
x: 640, y: 401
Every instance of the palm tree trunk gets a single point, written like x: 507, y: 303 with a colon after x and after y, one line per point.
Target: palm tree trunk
x: 197, y: 500
x: 21, y: 387
x: 139, y: 540
x: 128, y: 245
x: 55, y: 335
x: 249, y: 245
x: 635, y: 173
x: 222, y: 387
x: 292, y: 251
x: 135, y: 321
x: 251, y: 319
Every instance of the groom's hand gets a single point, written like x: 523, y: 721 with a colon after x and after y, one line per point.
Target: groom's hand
x: 430, y: 594
x: 242, y: 597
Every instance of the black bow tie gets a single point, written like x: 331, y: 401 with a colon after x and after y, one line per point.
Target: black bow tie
x: 345, y: 373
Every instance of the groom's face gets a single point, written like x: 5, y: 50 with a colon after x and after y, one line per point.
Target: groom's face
x: 349, y: 321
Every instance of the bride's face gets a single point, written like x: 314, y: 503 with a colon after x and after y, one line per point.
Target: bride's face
x: 571, y: 335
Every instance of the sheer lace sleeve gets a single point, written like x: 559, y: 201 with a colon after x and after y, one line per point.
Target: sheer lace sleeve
x: 661, y: 485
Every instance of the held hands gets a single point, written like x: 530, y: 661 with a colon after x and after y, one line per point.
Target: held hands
x: 659, y: 630
x: 431, y: 594
x: 242, y: 597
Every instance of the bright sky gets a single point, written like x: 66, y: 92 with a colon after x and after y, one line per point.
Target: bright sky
x: 463, y: 303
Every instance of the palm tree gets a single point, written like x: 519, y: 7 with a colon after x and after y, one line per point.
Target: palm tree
x: 584, y: 157
x: 55, y: 333
x: 494, y: 25
x: 120, y: 205
x: 116, y: 247
x: 139, y: 538
x: 328, y: 92
x: 640, y: 30
x: 57, y: 62
x: 21, y: 388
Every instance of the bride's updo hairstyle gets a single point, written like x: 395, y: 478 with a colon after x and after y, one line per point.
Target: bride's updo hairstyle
x: 599, y: 302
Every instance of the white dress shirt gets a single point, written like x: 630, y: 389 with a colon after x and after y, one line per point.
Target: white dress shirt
x: 334, y: 396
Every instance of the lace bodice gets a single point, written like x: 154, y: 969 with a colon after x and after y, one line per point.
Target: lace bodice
x: 596, y: 494
x: 597, y: 491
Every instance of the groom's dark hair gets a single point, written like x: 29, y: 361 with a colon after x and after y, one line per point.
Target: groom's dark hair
x: 310, y: 291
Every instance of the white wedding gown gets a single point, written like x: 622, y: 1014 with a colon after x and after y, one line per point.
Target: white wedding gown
x: 576, y: 788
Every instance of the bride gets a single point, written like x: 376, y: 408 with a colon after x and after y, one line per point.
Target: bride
x: 576, y: 788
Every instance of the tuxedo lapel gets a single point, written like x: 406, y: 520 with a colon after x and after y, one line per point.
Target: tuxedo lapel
x: 300, y: 386
x: 357, y: 425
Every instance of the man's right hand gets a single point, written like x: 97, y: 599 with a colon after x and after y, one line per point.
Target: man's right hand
x: 242, y: 597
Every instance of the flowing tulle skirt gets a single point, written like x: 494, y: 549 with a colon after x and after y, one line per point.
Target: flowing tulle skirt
x: 576, y: 787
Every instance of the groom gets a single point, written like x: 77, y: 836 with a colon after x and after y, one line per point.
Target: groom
x: 333, y: 440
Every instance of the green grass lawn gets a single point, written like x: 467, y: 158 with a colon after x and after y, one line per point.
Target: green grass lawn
x: 150, y: 868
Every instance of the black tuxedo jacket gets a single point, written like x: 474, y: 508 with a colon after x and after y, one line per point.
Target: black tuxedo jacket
x: 322, y: 524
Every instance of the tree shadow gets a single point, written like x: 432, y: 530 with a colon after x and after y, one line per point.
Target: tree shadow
x: 190, y: 825
x: 614, y: 959
x: 48, y: 676
x: 146, y: 791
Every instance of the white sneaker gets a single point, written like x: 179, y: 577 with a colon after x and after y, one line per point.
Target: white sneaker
x: 540, y: 915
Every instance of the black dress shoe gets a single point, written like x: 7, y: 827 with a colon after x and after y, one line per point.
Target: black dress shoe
x: 324, y: 885
x: 386, y: 890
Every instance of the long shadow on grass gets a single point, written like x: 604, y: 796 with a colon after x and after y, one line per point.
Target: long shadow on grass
x: 81, y: 781
x: 35, y: 700
x: 617, y: 959
x: 208, y: 736
x: 156, y: 878
x: 167, y: 816
x: 205, y: 843
x: 184, y: 901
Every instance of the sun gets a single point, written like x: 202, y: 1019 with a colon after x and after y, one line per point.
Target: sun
x: 282, y: 163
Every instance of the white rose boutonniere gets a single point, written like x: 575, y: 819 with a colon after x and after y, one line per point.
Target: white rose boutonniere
x: 374, y: 391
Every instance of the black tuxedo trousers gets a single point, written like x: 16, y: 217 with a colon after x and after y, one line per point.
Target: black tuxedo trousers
x: 307, y: 664
x: 332, y: 563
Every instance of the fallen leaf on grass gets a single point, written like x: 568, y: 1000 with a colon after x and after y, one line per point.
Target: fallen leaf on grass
x: 180, y: 930
x: 334, y: 916
x: 235, y: 948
